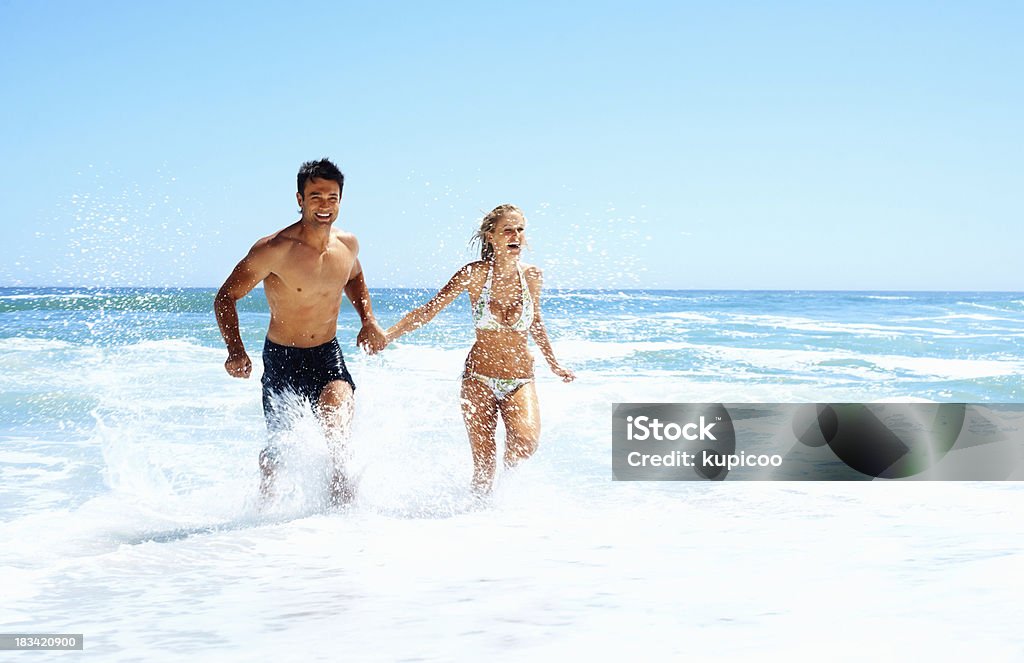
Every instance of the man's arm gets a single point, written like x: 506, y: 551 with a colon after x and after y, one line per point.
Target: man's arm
x: 371, y: 336
x: 252, y: 269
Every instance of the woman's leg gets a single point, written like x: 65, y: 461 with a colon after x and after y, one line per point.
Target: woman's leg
x: 480, y: 413
x: 521, y: 414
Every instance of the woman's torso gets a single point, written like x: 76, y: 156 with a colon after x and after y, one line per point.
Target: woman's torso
x: 503, y: 310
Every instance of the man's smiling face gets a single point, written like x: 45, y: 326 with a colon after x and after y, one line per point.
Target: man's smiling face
x: 319, y: 201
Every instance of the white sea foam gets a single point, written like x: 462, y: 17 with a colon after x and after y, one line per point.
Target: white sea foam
x: 986, y: 307
x: 980, y: 317
x: 950, y: 369
x: 23, y: 344
x: 150, y: 493
x: 795, y: 362
x: 33, y: 296
x: 604, y: 296
x: 687, y: 317
x: 853, y: 328
x: 545, y: 571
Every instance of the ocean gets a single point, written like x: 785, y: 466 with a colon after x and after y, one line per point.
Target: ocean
x: 129, y: 510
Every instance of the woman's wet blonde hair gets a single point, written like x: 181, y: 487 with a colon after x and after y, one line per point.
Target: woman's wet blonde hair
x: 487, y: 226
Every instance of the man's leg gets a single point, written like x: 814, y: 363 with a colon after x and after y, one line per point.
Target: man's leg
x: 276, y: 371
x: 268, y: 463
x: 335, y: 409
x: 276, y: 418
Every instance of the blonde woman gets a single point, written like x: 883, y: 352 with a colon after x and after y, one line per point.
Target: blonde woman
x: 498, y: 379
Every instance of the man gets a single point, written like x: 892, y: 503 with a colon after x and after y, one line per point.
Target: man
x: 305, y: 268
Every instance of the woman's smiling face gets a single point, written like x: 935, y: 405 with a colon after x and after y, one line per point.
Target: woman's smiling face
x: 509, y: 235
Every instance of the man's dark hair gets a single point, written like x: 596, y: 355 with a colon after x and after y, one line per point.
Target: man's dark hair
x: 322, y: 169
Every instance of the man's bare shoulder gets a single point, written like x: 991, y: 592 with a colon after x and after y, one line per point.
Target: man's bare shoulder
x: 268, y: 252
x: 347, y: 239
x: 283, y: 239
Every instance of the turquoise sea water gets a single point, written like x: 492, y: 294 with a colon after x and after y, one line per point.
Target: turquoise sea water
x: 128, y: 474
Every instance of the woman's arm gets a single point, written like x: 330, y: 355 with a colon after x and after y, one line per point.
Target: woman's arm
x: 534, y: 280
x: 424, y: 314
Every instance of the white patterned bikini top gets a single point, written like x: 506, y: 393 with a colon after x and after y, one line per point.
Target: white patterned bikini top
x: 484, y: 319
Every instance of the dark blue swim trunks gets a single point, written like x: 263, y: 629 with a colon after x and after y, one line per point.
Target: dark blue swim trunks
x: 301, y: 371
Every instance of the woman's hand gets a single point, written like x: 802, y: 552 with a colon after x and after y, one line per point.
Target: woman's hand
x: 564, y: 373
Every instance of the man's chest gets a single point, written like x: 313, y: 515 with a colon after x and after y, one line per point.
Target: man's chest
x: 326, y: 272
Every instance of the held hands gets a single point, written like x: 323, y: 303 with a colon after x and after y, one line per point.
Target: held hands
x: 564, y: 373
x: 238, y: 365
x: 371, y: 338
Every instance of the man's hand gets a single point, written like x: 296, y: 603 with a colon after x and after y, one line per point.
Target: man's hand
x: 238, y: 365
x: 371, y: 338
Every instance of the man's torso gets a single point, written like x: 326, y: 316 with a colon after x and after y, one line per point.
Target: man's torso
x: 305, y: 289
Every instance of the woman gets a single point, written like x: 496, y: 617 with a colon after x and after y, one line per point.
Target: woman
x: 498, y: 378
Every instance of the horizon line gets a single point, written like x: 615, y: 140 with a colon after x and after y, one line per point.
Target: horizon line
x: 595, y: 289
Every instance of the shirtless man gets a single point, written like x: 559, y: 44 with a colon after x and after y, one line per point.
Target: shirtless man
x: 305, y: 269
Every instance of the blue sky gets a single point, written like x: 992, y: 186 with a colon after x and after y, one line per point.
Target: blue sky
x: 682, y: 145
